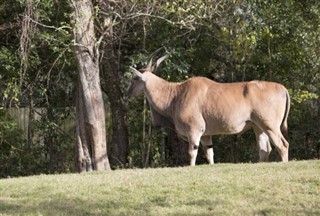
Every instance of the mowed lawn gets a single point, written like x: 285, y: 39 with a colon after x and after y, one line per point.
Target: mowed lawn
x: 221, y: 189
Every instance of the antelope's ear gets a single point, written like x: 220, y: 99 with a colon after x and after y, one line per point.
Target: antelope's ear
x: 136, y: 72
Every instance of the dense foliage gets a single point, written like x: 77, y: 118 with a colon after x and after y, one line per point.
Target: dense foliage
x: 224, y: 40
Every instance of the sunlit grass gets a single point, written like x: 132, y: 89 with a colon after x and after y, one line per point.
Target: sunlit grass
x: 221, y: 189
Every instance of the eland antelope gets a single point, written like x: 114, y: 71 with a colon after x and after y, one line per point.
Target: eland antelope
x: 199, y: 108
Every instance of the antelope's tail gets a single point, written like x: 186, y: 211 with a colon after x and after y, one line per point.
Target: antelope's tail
x: 284, y: 124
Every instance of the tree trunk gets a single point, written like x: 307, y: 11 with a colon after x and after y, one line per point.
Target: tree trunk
x: 90, y: 112
x: 111, y: 74
x: 119, y: 140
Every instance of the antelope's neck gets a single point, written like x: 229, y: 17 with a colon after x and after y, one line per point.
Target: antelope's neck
x: 161, y: 94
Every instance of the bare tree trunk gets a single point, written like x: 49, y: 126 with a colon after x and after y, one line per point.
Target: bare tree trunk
x: 83, y: 154
x: 91, y: 132
x: 144, y: 124
x: 148, y: 148
x: 119, y: 140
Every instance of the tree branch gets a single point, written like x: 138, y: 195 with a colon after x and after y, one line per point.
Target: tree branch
x: 48, y: 26
x: 9, y: 26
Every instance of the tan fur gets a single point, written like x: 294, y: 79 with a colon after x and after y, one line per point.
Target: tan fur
x: 199, y: 108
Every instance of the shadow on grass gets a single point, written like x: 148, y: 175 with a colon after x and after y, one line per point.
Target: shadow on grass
x: 53, y: 207
x: 67, y: 206
x: 85, y: 207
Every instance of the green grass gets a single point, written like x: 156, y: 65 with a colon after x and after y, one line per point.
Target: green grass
x: 222, y: 189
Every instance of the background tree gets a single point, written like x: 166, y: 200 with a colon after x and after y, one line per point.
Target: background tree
x: 91, y: 133
x: 110, y: 67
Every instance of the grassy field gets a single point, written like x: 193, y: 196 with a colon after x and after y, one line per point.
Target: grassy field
x: 221, y: 189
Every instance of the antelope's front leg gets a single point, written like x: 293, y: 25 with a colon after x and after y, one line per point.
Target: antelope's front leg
x: 206, y: 142
x: 193, y: 152
x: 194, y: 141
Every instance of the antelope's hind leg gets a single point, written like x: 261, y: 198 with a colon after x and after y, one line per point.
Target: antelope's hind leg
x: 206, y: 142
x: 263, y: 144
x: 278, y: 140
x: 280, y: 143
